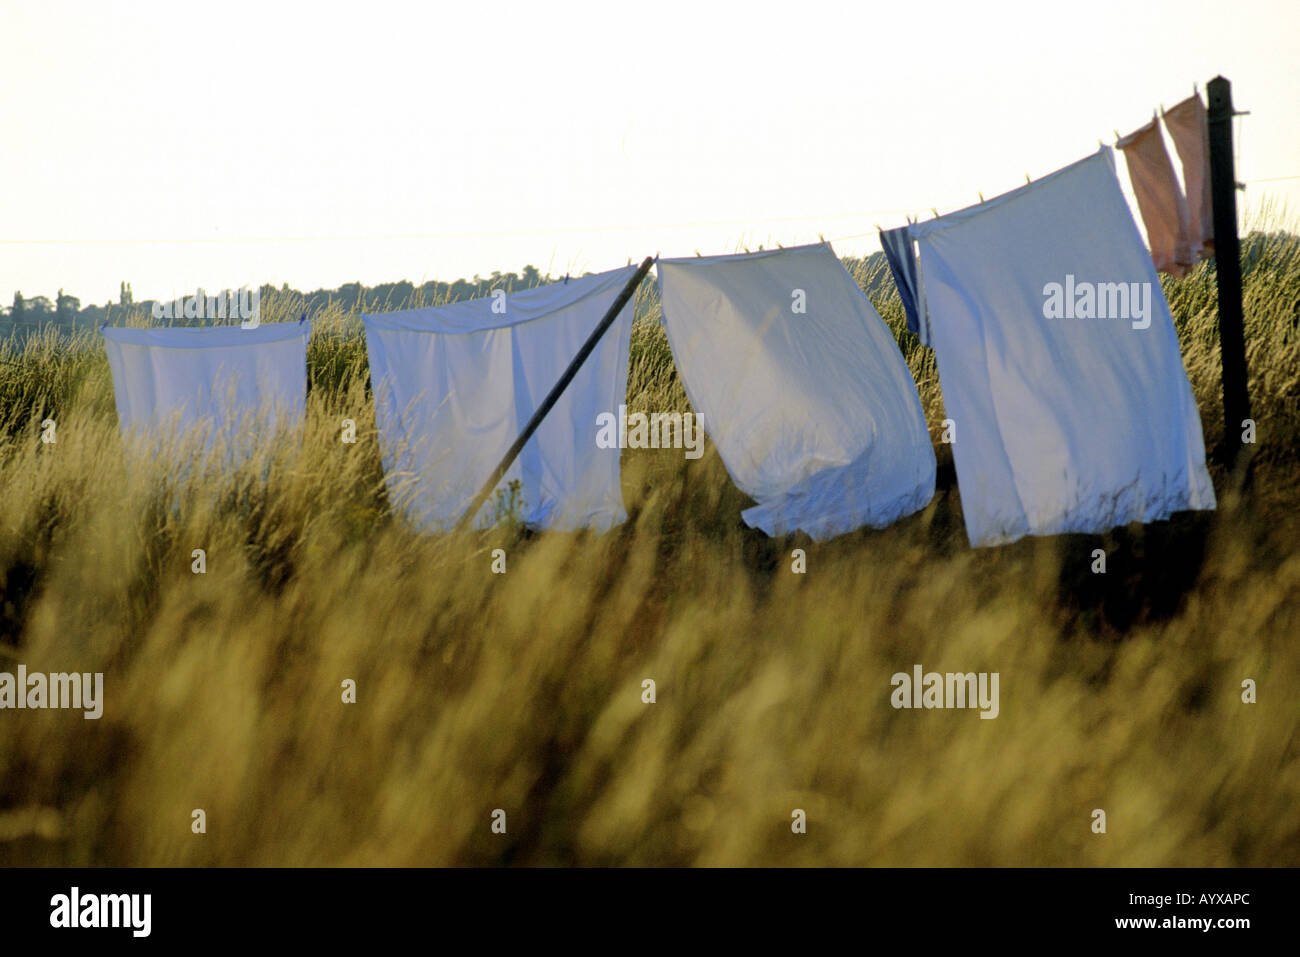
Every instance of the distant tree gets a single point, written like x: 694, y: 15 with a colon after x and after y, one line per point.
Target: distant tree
x: 349, y: 296
x: 66, y: 308
x: 125, y: 297
x: 390, y: 295
x: 93, y: 315
x: 18, y: 312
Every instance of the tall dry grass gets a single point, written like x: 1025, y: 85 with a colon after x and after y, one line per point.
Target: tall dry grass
x: 523, y: 691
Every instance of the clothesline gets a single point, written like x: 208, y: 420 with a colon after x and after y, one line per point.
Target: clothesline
x: 817, y: 419
x: 380, y: 237
x: 497, y: 233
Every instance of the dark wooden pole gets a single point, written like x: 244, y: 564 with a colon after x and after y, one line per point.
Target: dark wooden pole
x: 1227, y: 258
x: 628, y: 291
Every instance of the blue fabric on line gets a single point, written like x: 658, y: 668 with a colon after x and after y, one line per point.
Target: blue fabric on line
x: 897, y: 244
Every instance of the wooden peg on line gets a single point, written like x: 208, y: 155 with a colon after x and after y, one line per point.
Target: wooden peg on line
x: 980, y: 195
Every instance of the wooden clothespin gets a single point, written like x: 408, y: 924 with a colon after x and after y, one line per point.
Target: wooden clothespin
x: 697, y: 254
x: 935, y: 211
x: 981, y: 195
x: 1027, y: 179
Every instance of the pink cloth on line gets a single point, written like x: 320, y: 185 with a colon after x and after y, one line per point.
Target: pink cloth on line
x: 1160, y: 199
x: 1188, y: 126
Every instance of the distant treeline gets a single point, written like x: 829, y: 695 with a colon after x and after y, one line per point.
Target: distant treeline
x: 66, y: 314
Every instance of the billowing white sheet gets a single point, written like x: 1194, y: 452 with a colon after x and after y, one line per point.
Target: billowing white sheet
x: 802, y: 389
x: 225, y: 380
x: 454, y: 386
x: 1068, y: 423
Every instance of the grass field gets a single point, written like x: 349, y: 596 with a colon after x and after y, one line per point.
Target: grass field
x: 523, y: 691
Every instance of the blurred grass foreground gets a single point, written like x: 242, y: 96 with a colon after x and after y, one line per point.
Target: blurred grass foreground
x: 526, y: 692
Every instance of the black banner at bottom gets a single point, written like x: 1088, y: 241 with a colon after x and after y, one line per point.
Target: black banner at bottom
x: 332, y: 906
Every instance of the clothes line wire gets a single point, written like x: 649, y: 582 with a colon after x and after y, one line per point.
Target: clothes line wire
x: 492, y: 234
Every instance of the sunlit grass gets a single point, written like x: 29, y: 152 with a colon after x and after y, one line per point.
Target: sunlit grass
x: 523, y: 691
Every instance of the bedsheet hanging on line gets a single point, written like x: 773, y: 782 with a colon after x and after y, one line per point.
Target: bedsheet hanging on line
x: 1160, y: 199
x: 1188, y: 126
x: 454, y: 386
x: 802, y: 389
x: 226, y: 380
x: 1059, y: 362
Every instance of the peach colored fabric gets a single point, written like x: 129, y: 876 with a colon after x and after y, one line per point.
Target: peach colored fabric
x: 1188, y: 127
x: 1160, y: 199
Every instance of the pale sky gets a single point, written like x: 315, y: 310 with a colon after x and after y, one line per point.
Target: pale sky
x: 177, y: 146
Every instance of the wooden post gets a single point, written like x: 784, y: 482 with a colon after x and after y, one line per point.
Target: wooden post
x: 587, y: 347
x: 1227, y: 257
